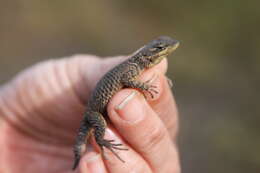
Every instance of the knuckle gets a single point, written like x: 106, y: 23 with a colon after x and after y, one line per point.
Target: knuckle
x: 173, y: 128
x: 156, y: 135
x: 141, y: 168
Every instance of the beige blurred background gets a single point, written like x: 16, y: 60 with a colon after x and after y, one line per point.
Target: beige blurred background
x: 215, y: 70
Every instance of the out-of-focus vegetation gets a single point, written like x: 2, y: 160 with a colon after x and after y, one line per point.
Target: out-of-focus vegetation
x: 215, y: 70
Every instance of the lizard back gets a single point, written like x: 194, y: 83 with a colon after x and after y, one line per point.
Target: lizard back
x: 109, y: 84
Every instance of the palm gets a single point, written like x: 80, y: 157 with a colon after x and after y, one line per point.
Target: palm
x: 42, y: 123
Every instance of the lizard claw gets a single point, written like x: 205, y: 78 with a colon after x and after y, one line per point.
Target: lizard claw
x: 112, y: 147
x: 151, y: 90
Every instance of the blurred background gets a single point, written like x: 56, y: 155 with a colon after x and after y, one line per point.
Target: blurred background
x: 215, y: 70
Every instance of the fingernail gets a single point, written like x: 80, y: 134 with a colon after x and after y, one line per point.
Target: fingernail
x: 132, y: 108
x: 126, y: 100
x: 169, y: 82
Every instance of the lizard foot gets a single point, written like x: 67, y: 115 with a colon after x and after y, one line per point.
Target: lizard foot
x: 112, y: 147
x: 150, y: 89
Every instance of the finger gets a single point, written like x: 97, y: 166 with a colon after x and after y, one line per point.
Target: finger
x: 35, y: 100
x: 132, y: 161
x: 92, y: 163
x: 163, y: 102
x: 165, y: 107
x: 143, y: 130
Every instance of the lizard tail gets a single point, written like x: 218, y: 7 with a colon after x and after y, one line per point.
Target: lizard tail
x: 83, y: 134
x: 76, y: 163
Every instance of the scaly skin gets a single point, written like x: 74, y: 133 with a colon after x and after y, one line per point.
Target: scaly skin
x: 123, y: 75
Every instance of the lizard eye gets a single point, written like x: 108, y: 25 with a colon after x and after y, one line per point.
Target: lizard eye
x: 161, y: 46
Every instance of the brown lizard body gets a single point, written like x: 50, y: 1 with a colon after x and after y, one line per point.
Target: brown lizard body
x: 123, y: 75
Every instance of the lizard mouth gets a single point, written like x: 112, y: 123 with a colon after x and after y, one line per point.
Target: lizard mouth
x: 169, y: 50
x: 172, y: 48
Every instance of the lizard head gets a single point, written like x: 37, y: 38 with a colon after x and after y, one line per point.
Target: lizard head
x: 153, y: 53
x: 160, y: 48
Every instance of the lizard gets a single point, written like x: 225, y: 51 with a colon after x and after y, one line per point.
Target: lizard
x: 121, y: 76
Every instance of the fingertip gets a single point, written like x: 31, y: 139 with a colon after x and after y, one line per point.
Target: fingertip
x: 92, y: 162
x: 127, y: 159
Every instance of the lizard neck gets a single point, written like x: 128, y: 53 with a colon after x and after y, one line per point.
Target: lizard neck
x: 139, y: 61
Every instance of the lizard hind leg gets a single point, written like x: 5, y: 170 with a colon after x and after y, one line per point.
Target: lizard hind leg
x: 99, y: 126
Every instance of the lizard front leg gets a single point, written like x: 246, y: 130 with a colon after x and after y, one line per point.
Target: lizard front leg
x: 142, y: 86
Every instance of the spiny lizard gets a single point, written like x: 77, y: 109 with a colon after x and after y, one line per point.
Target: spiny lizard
x: 123, y: 75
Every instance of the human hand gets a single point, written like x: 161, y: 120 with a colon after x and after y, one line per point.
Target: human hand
x: 43, y: 106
